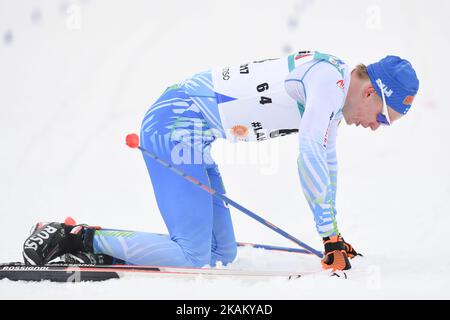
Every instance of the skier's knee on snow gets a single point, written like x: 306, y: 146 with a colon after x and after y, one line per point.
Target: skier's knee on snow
x: 224, y: 256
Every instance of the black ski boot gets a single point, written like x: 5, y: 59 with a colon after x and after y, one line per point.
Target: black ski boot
x: 51, y: 240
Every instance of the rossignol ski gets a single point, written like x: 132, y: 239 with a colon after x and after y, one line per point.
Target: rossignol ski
x: 17, y: 271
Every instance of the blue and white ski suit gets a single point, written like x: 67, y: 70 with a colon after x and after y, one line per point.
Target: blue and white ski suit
x: 302, y: 93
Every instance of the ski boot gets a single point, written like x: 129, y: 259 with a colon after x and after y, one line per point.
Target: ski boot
x: 51, y: 240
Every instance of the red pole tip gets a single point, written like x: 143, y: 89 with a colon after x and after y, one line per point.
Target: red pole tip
x: 70, y: 221
x: 132, y: 140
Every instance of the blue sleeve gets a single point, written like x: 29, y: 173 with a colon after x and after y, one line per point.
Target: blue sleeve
x: 317, y: 162
x: 318, y: 176
x: 332, y: 163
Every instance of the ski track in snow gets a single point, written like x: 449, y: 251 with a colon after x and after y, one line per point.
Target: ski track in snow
x: 70, y: 95
x: 378, y: 281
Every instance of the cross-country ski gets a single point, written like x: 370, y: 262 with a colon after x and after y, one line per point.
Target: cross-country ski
x: 78, y: 273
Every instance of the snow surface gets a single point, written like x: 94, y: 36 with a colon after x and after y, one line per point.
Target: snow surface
x: 77, y: 76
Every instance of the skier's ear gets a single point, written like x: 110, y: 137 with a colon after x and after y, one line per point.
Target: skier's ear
x: 369, y: 90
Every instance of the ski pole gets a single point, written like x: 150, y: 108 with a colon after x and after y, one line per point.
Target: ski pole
x: 239, y: 244
x: 272, y: 248
x: 132, y: 140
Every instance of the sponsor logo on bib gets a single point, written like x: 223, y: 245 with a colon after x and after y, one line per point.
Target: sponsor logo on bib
x: 239, y: 131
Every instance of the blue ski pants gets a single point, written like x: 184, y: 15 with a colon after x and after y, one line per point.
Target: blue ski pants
x: 200, y: 227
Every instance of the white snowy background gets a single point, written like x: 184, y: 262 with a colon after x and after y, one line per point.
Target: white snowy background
x: 77, y: 76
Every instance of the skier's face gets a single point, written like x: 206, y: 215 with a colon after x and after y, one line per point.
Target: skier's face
x: 368, y: 108
x: 363, y: 105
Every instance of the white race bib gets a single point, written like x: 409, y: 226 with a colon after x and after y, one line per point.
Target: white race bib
x: 252, y: 100
x: 253, y: 103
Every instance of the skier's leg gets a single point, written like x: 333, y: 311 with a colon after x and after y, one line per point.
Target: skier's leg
x: 173, y: 131
x: 139, y: 248
x: 186, y: 210
x: 223, y: 247
x: 223, y: 244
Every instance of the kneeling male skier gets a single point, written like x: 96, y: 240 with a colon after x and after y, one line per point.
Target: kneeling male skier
x: 306, y: 93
